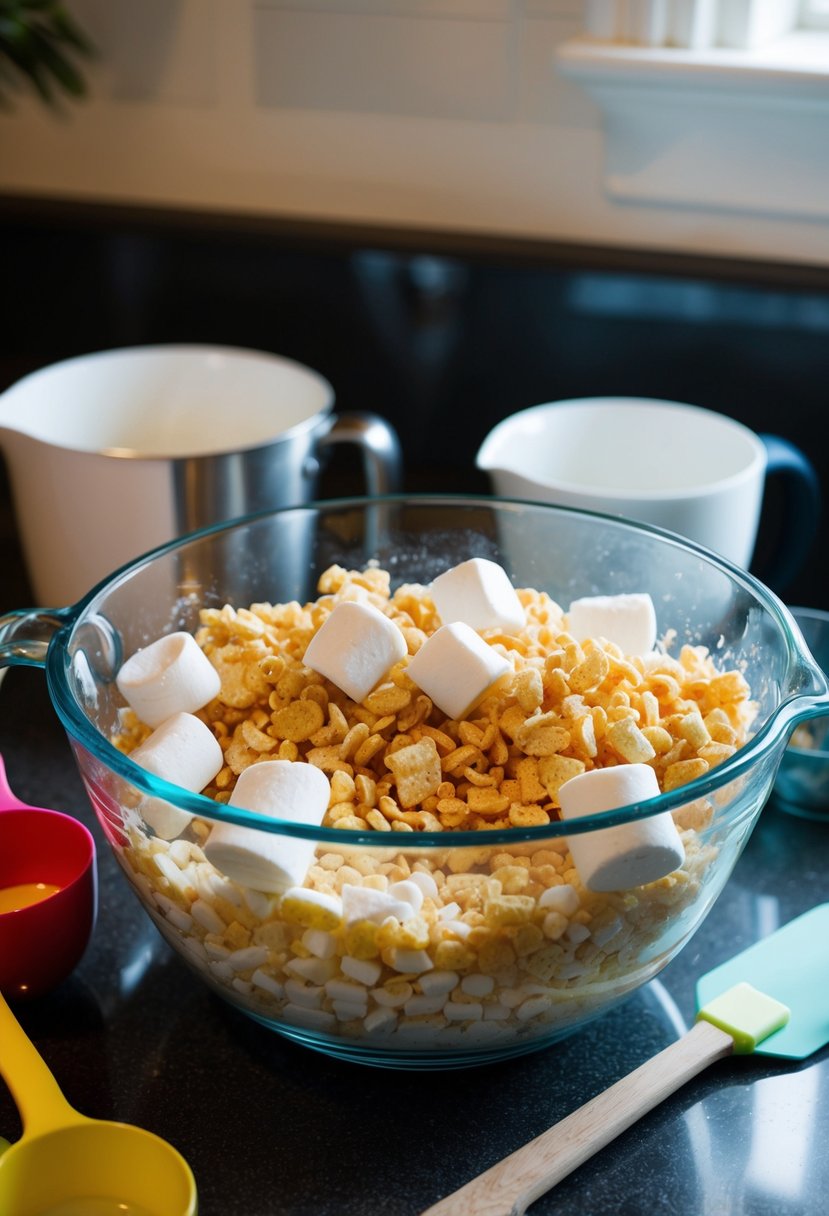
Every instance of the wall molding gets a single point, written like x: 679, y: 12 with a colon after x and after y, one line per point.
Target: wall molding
x: 710, y: 130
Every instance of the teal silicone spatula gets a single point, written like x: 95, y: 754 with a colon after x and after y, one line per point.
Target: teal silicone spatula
x: 792, y: 964
x: 762, y: 1000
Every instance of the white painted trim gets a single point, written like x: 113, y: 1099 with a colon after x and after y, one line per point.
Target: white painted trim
x: 716, y: 128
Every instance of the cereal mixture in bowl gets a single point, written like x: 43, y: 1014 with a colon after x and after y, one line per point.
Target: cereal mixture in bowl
x: 470, y: 944
x: 416, y: 871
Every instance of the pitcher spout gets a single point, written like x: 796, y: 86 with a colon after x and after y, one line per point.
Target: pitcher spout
x: 510, y: 474
x: 488, y: 458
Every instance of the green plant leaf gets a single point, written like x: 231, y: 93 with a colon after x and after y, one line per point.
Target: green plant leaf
x: 39, y: 40
x: 53, y: 62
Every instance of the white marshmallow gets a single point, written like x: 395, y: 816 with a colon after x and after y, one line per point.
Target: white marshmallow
x: 182, y: 750
x: 479, y: 593
x: 185, y: 752
x: 410, y: 892
x: 380, y: 1021
x: 282, y: 789
x: 355, y: 647
x: 410, y: 961
x: 455, y: 667
x: 631, y: 854
x: 172, y: 675
x: 320, y: 942
x: 426, y: 883
x: 627, y: 620
x: 563, y: 899
x: 366, y: 903
x: 363, y: 970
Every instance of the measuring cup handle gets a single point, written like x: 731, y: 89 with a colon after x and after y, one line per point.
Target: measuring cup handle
x: 8, y: 799
x: 382, y: 456
x: 26, y: 633
x: 36, y: 1093
x: 801, y: 509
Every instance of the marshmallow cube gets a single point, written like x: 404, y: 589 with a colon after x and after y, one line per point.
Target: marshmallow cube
x: 479, y: 593
x: 172, y: 675
x: 293, y: 790
x: 627, y: 620
x: 631, y: 854
x: 455, y: 667
x: 355, y: 647
x: 184, y: 752
x: 365, y: 903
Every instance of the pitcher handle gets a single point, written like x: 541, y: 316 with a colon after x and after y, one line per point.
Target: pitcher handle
x: 25, y: 635
x: 801, y: 509
x: 377, y: 438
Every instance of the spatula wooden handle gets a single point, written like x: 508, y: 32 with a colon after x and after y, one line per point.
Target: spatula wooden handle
x: 508, y: 1188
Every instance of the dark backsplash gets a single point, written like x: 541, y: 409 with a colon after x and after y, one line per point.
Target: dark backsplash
x: 442, y: 339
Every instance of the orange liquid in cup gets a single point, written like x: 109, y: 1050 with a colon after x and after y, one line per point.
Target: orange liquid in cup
x: 23, y: 895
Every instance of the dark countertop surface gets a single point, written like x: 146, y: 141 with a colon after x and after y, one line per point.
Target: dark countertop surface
x: 272, y: 1129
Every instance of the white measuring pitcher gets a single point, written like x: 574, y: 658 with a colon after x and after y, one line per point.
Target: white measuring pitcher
x: 112, y: 453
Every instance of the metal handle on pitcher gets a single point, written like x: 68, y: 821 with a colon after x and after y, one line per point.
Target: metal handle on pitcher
x: 378, y: 441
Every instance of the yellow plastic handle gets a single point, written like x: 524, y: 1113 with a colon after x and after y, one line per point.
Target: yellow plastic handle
x: 133, y: 1167
x: 37, y: 1095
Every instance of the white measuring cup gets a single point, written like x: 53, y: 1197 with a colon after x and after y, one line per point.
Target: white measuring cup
x: 113, y: 453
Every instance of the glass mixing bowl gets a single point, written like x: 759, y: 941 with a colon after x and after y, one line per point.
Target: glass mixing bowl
x: 507, y: 951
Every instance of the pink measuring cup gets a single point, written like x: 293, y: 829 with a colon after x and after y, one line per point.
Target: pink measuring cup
x: 42, y: 942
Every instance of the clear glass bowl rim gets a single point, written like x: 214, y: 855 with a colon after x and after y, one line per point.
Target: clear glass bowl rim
x: 772, y: 734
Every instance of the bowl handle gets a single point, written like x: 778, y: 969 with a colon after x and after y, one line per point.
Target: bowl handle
x: 25, y: 635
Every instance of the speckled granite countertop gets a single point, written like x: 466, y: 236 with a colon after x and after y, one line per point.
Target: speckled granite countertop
x: 272, y: 1129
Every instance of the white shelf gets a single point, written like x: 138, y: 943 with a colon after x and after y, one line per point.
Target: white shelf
x: 712, y: 129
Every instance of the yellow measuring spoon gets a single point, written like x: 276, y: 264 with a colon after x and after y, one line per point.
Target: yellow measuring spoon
x: 66, y: 1164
